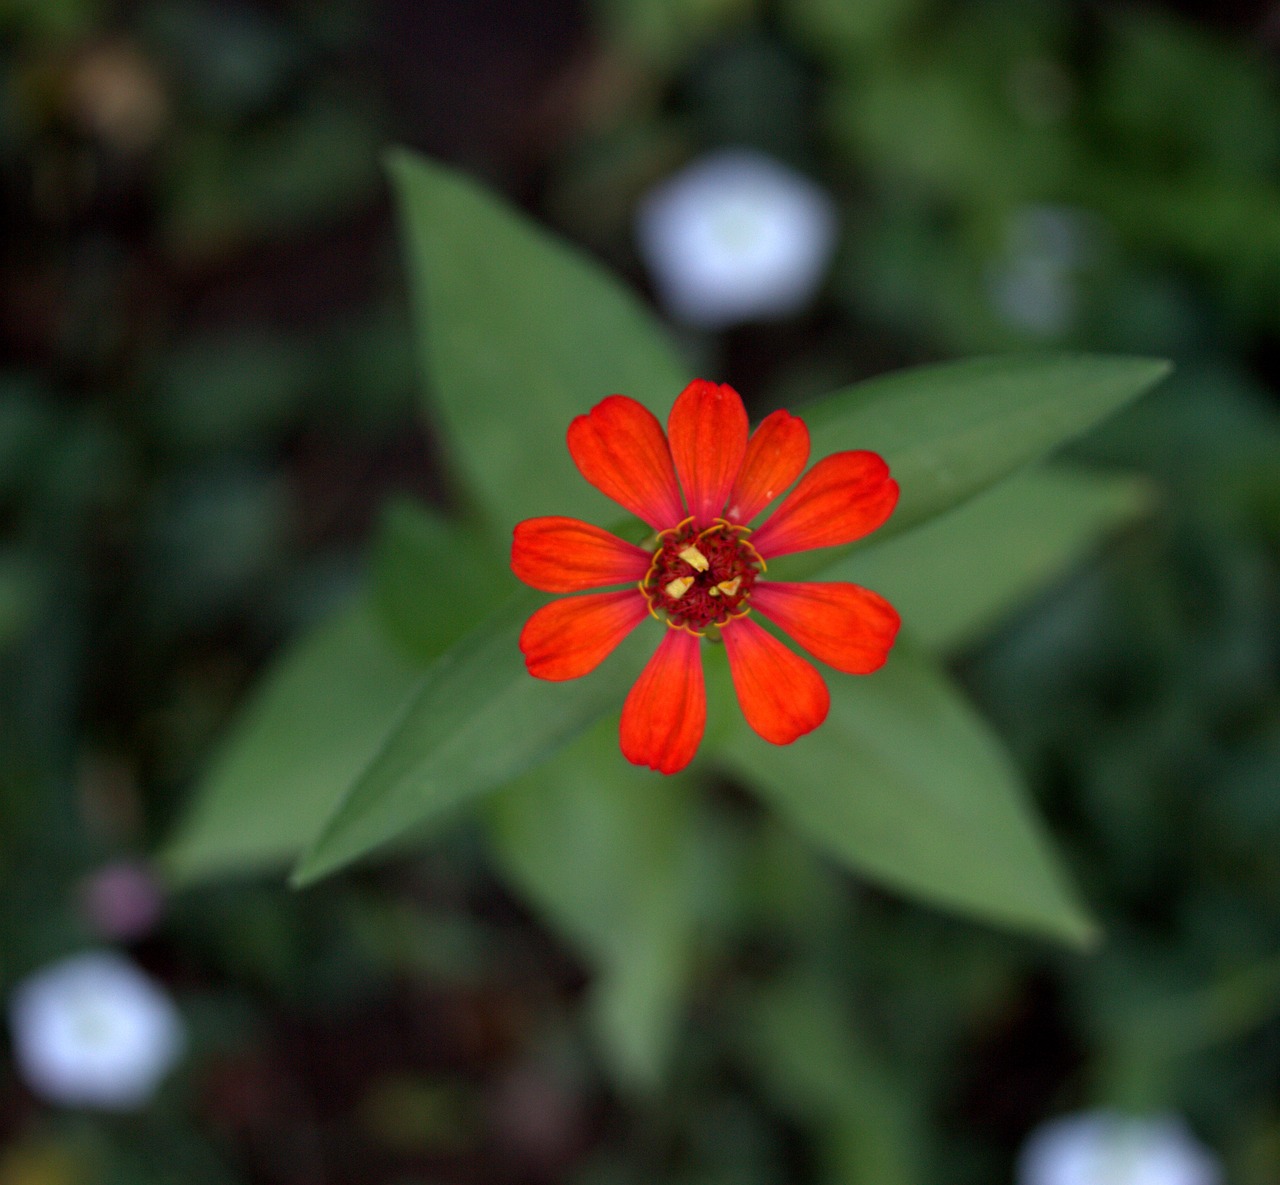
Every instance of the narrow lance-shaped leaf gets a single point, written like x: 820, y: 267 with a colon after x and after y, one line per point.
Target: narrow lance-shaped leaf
x: 433, y: 579
x: 321, y: 713
x: 477, y: 721
x: 605, y: 851
x: 313, y: 724
x: 519, y: 333
x: 818, y: 1068
x: 951, y: 431
x: 905, y: 784
x: 958, y: 575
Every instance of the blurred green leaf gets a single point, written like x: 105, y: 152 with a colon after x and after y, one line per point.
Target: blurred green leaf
x: 28, y: 425
x: 433, y: 578
x: 956, y: 576
x: 320, y: 716
x: 519, y: 334
x: 605, y: 851
x: 56, y: 20
x: 844, y: 32
x: 1226, y: 120
x: 973, y: 112
x: 22, y: 589
x: 750, y: 92
x: 1148, y: 1043
x: 311, y: 727
x: 951, y: 431
x: 218, y: 391
x: 476, y: 721
x: 307, y: 167
x: 664, y: 33
x: 797, y: 1032
x: 371, y: 367
x: 214, y: 536
x: 906, y: 785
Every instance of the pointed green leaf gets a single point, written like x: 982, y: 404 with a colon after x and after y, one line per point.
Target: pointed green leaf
x: 519, y: 334
x: 313, y: 724
x: 958, y: 575
x: 951, y: 431
x: 477, y: 720
x: 605, y: 851
x: 905, y: 784
x: 433, y: 578
x: 322, y: 713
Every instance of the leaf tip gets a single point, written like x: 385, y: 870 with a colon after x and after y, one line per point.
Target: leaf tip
x: 1160, y: 368
x: 398, y: 160
x: 308, y: 871
x: 1081, y: 933
x: 1145, y: 372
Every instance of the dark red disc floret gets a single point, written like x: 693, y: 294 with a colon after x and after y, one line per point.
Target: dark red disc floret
x: 701, y: 578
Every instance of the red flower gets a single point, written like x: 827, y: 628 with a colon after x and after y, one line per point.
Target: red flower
x: 704, y: 572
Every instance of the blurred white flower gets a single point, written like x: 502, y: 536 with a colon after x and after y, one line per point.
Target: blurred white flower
x: 94, y: 1031
x: 1106, y: 1148
x: 736, y: 237
x: 1033, y: 286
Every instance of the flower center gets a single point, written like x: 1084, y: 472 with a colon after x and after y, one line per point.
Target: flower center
x: 701, y: 578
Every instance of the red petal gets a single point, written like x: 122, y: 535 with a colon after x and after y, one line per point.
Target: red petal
x: 776, y: 455
x: 666, y: 711
x: 620, y: 448
x: 843, y: 497
x: 846, y: 626
x: 572, y: 637
x: 564, y: 555
x: 782, y: 695
x: 708, y: 431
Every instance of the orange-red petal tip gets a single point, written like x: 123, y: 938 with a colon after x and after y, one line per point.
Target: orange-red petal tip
x: 708, y: 433
x: 781, y: 694
x: 844, y: 625
x: 842, y: 498
x: 571, y: 637
x: 620, y: 448
x: 776, y: 455
x: 665, y: 713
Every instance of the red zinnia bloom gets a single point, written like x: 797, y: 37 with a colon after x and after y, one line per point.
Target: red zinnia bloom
x: 704, y: 572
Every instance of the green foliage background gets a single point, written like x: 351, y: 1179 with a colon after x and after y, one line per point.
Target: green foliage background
x: 256, y: 615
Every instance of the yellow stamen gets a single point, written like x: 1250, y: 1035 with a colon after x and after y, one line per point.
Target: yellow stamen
x: 678, y: 587
x: 728, y: 587
x: 694, y: 558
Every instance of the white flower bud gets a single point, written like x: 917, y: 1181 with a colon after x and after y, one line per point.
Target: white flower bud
x: 1106, y: 1148
x: 94, y: 1031
x: 736, y: 237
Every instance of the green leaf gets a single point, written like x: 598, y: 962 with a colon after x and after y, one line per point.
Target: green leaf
x: 1149, y: 1036
x: 321, y: 715
x: 476, y: 721
x: 605, y: 851
x: 905, y: 784
x: 955, y: 577
x: 433, y: 579
x: 23, y: 589
x: 519, y: 333
x: 951, y: 431
x: 820, y: 1071
x: 313, y: 724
